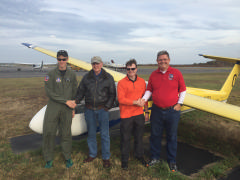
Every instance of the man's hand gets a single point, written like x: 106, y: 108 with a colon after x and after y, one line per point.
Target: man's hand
x: 146, y: 117
x: 142, y: 102
x: 71, y: 104
x: 177, y: 107
x: 73, y: 113
x: 136, y: 102
x: 139, y: 102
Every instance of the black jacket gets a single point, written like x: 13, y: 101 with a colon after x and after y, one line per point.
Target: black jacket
x: 99, y: 91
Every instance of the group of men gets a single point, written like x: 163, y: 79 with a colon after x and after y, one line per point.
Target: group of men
x: 166, y: 87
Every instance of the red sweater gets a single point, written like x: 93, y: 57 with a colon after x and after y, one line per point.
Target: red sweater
x: 166, y: 87
x: 127, y: 92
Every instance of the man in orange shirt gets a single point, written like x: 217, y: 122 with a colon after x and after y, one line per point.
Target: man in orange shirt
x: 130, y: 91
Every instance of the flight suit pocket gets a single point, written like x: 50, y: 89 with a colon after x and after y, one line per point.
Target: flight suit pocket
x: 68, y: 82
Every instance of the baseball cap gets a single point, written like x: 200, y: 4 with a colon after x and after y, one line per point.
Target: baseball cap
x: 62, y: 53
x: 96, y: 59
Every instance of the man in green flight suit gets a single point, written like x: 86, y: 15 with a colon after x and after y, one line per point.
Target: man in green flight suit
x: 60, y: 87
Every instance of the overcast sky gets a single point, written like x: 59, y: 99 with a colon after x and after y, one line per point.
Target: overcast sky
x: 120, y: 30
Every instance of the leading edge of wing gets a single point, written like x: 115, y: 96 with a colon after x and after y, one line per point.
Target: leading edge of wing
x: 233, y: 60
x: 213, y: 106
x: 79, y: 63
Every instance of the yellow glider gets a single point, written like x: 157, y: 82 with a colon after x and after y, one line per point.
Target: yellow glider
x: 79, y: 63
x: 202, y: 99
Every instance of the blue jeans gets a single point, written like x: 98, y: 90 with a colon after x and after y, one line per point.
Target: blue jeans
x: 102, y: 117
x: 161, y: 119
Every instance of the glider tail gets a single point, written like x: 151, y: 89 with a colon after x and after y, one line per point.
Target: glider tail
x: 41, y: 67
x: 231, y: 79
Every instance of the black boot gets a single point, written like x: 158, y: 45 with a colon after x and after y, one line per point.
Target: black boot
x: 125, y: 165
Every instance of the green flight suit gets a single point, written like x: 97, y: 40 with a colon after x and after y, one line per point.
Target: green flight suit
x: 58, y: 115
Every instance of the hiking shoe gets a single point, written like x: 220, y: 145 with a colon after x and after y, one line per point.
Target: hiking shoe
x: 49, y: 164
x: 69, y: 163
x: 152, y: 162
x: 142, y: 161
x: 125, y: 165
x: 106, y: 163
x: 172, y: 167
x: 89, y: 159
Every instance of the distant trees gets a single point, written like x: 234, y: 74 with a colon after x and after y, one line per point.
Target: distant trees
x: 215, y: 63
x: 206, y: 64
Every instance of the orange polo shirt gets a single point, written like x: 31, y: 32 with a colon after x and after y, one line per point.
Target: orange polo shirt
x: 127, y: 92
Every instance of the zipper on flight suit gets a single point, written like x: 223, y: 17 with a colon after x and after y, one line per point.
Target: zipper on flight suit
x: 63, y: 84
x: 95, y: 94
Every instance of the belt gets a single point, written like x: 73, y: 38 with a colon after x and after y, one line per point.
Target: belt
x: 166, y: 108
x: 94, y: 108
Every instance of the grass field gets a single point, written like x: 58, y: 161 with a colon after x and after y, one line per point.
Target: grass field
x: 21, y: 98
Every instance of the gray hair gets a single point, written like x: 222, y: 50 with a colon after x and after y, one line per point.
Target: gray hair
x: 163, y: 52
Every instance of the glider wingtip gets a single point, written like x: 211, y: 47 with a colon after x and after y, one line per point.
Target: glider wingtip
x: 27, y: 44
x: 200, y: 54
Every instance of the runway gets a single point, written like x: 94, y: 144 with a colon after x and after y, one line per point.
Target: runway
x: 27, y: 72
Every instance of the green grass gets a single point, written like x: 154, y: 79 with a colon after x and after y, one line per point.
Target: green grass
x: 22, y: 98
x: 212, y: 81
x: 218, y: 170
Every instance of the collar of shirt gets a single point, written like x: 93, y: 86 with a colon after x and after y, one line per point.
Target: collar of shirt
x: 62, y: 72
x: 58, y: 71
x: 98, y: 74
x: 163, y: 72
x: 131, y: 79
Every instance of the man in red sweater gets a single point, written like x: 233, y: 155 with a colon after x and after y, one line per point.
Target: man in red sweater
x: 167, y: 88
x: 130, y: 91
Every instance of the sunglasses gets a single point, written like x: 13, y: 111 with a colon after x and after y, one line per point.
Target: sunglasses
x: 64, y: 59
x: 128, y: 69
x: 95, y: 63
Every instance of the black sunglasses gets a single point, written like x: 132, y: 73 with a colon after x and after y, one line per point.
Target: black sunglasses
x: 128, y: 69
x: 64, y: 59
x: 95, y: 63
